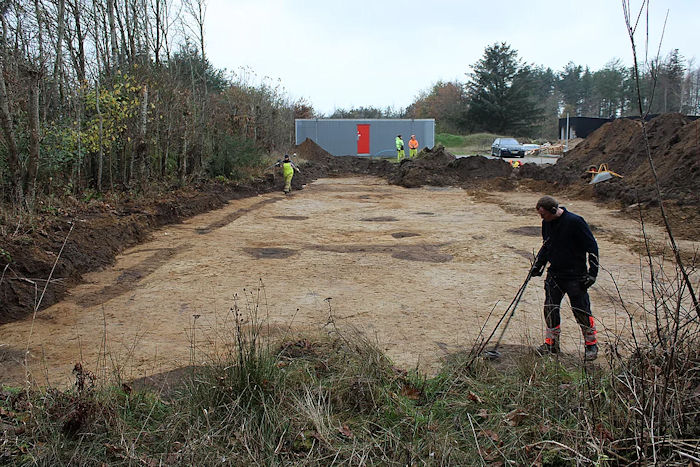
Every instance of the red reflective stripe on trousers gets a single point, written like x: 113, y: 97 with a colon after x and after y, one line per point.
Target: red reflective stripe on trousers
x: 590, y: 334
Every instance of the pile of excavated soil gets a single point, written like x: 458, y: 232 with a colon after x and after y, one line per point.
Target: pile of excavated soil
x: 438, y: 167
x: 321, y: 163
x: 675, y: 148
x: 430, y: 167
x: 311, y: 151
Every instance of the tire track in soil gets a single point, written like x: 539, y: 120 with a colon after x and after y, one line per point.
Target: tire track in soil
x: 428, y: 253
x: 226, y: 220
x: 130, y: 277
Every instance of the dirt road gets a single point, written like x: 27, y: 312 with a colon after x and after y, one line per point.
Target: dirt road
x: 417, y: 269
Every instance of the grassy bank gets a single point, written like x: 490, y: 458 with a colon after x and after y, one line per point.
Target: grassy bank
x: 477, y: 143
x: 336, y: 399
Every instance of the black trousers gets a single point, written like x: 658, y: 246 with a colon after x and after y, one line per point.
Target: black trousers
x: 555, y: 288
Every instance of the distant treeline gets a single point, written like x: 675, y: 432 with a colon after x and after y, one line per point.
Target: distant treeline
x: 505, y: 96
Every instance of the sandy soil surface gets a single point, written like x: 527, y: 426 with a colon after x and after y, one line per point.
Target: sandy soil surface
x: 419, y: 270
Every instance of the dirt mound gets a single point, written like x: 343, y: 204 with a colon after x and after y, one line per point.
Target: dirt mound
x: 428, y: 168
x: 438, y: 167
x: 479, y: 167
x: 436, y: 156
x: 311, y: 151
x: 674, y: 144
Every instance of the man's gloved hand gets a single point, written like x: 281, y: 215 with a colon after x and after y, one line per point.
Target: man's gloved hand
x: 537, y: 270
x: 588, y: 281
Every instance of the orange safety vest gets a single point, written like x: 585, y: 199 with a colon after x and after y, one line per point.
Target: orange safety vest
x: 413, y: 143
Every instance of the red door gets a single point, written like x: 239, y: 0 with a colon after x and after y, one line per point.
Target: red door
x: 363, y: 139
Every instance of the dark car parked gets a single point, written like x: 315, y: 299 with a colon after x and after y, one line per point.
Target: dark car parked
x: 507, y: 147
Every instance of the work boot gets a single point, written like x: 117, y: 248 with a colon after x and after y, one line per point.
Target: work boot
x: 591, y: 352
x: 546, y: 349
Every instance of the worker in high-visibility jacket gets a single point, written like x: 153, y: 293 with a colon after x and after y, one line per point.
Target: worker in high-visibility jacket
x: 412, y: 147
x: 288, y: 169
x: 400, y: 154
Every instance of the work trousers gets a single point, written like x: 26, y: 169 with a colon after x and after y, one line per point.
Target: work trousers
x: 555, y: 288
x: 288, y: 182
x: 400, y: 154
x: 412, y: 152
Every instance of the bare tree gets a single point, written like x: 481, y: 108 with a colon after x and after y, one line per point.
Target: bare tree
x: 6, y: 115
x: 112, y: 33
x: 197, y: 10
x: 77, y: 51
x: 34, y: 76
x: 58, y: 61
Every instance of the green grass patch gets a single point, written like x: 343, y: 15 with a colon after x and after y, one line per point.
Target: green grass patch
x: 477, y: 143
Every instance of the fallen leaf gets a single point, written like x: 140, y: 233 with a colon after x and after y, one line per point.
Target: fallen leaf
x: 473, y: 397
x: 491, y: 455
x: 514, y: 417
x: 410, y: 392
x: 603, y: 433
x: 115, y: 450
x: 345, y: 431
x: 493, y: 435
x: 482, y: 413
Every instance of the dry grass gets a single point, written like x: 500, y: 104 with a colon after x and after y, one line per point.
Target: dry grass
x: 332, y: 397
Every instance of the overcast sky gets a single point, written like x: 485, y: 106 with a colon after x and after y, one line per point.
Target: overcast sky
x: 351, y: 53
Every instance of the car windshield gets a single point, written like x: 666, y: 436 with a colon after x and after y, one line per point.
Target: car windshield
x: 509, y: 141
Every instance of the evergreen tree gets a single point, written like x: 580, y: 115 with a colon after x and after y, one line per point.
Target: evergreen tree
x: 609, y: 90
x: 500, y: 93
x: 670, y: 81
x: 544, y: 91
x: 571, y: 88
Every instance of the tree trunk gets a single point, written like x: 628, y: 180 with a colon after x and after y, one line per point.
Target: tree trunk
x: 141, y: 148
x: 80, y: 69
x: 58, y: 64
x: 164, y: 160
x: 131, y: 31
x: 157, y: 39
x: 40, y: 26
x: 112, y: 33
x: 182, y: 163
x: 122, y: 32
x: 200, y: 23
x: 34, y: 138
x: 7, y: 127
x: 100, y: 128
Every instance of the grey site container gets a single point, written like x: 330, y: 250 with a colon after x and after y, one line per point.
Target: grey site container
x: 364, y: 136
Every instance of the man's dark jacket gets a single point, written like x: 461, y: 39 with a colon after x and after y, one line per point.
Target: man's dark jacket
x: 567, y: 239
